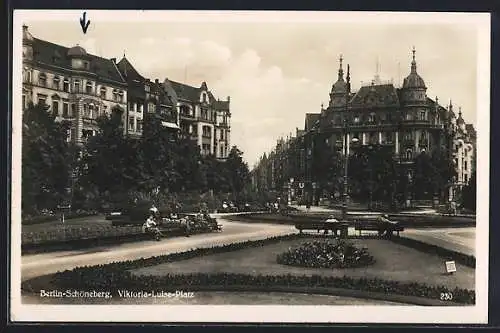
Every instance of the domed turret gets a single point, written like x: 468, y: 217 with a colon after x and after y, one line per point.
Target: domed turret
x: 27, y: 44
x: 413, y: 85
x: 413, y: 80
x: 27, y: 37
x: 340, y: 89
x: 77, y: 51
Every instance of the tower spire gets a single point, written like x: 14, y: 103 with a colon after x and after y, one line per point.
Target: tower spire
x: 413, y: 62
x: 341, y: 71
x: 377, y: 72
x: 348, y: 78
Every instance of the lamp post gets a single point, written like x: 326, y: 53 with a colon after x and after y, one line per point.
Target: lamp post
x: 346, y: 164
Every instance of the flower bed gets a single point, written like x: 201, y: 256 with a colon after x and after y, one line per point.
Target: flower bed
x: 117, y: 275
x: 326, y: 254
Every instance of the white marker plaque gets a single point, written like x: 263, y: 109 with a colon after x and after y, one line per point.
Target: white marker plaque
x: 450, y: 267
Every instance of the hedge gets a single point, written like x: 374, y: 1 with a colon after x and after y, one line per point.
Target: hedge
x: 55, y: 217
x: 117, y: 275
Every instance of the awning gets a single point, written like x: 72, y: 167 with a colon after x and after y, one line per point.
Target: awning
x: 170, y: 125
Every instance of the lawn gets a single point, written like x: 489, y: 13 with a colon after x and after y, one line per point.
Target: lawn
x: 393, y: 262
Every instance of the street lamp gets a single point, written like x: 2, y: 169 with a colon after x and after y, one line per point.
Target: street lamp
x: 346, y: 163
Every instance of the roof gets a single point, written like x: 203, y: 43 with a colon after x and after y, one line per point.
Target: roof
x: 311, y: 119
x: 57, y: 55
x: 185, y: 91
x: 382, y: 95
x: 128, y: 71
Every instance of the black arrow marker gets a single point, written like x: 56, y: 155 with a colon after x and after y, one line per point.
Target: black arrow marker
x: 84, y: 23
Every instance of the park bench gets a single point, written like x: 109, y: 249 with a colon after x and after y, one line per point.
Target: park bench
x: 325, y: 226
x: 389, y: 228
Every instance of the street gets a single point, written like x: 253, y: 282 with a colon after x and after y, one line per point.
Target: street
x: 47, y: 263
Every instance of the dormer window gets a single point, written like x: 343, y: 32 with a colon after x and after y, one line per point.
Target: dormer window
x: 146, y: 88
x: 89, y: 87
x: 42, y: 79
x: 77, y: 86
x: 66, y: 85
x: 55, y: 82
x: 423, y: 115
x: 102, y: 92
x: 204, y: 98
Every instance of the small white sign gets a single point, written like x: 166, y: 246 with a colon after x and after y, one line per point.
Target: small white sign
x: 450, y: 267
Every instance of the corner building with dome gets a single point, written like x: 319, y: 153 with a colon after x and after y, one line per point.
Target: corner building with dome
x: 404, y: 119
x: 76, y: 86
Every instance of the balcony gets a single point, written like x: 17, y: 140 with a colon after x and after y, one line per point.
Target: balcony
x: 90, y: 121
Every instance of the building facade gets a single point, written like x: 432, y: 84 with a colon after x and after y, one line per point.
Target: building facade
x: 147, y: 98
x: 204, y: 118
x: 403, y: 119
x: 76, y: 86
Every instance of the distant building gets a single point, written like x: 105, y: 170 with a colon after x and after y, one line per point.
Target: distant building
x: 76, y: 86
x: 403, y: 119
x: 146, y: 97
x: 203, y: 117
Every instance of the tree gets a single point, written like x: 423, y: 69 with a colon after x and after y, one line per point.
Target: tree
x: 108, y: 158
x: 372, y: 174
x: 46, y: 159
x: 469, y: 193
x: 236, y: 170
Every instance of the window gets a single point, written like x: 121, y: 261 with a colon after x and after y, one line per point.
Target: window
x: 408, y: 116
x: 89, y: 88
x: 139, y: 125
x: 409, y: 154
x: 91, y: 111
x: 24, y: 101
x: 423, y: 115
x: 42, y: 79
x: 77, y: 86
x: 371, y: 118
x: 66, y: 85
x: 102, y: 92
x: 221, y: 151
x: 207, y: 131
x: 131, y: 123
x: 151, y: 107
x: 55, y: 107
x: 146, y: 88
x: 55, y: 82
x: 204, y: 114
x: 222, y: 135
x: 66, y: 109
x: 204, y: 98
x: 41, y: 99
x: 139, y: 108
x: 356, y: 119
x: 388, y: 137
x: 388, y: 117
x: 465, y: 165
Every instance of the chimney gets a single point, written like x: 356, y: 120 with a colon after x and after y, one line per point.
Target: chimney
x: 229, y: 98
x: 157, y: 81
x: 113, y: 60
x: 25, y: 27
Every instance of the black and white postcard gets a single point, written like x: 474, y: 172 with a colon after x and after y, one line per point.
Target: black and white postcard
x: 239, y: 166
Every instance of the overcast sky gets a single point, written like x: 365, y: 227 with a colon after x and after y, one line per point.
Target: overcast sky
x: 276, y: 72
